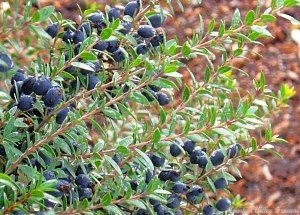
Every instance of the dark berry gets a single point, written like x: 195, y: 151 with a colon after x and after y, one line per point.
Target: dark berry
x: 52, y: 30
x: 6, y: 62
x: 233, y: 150
x: 154, y: 88
x: 71, y: 69
x: 223, y: 204
x: 49, y: 204
x: 101, y: 46
x: 18, y: 76
x: 157, y: 160
x: 78, y: 36
x: 162, y: 98
x: 202, y: 161
x: 117, y: 158
x: 175, y: 150
x: 153, y: 201
x: 27, y: 87
x: 86, y: 168
x: 41, y: 86
x: 86, y: 28
x: 131, y: 9
x: 208, y: 210
x: 146, y: 31
x: 220, y: 183
x: 173, y: 201
x: 155, y: 20
x: 164, y: 175
x: 141, y: 211
x: 77, y: 48
x: 217, y: 157
x: 85, y: 193
x: 16, y: 87
x: 113, y: 45
x: 18, y: 213
x: 52, y: 98
x: 195, y: 194
x: 157, y: 40
x: 126, y: 27
x: 113, y: 13
x: 61, y: 115
x: 174, y: 175
x: 48, y: 175
x: 194, y: 157
x: 160, y: 209
x: 83, y: 181
x: 179, y: 187
x: 150, y: 95
x: 62, y: 187
x: 25, y: 103
x: 141, y: 49
x: 92, y: 81
x: 149, y: 176
x: 118, y: 55
x: 96, y: 19
x: 47, y: 160
x: 133, y: 184
x: 189, y: 146
x: 68, y: 35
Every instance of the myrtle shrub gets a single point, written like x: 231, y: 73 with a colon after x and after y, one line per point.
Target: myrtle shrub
x: 99, y: 120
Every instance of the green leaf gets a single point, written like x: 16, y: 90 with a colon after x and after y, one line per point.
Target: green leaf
x: 268, y: 18
x: 236, y: 18
x: 82, y: 66
x: 250, y: 16
x: 156, y: 136
x: 112, y: 113
x: 106, y: 33
x: 42, y: 14
x: 261, y: 30
x: 186, y: 93
x: 106, y: 200
x: 113, y: 164
x: 146, y: 158
x: 186, y: 49
x: 85, y: 55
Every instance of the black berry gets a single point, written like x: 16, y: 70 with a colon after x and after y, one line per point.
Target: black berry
x: 155, y: 20
x: 83, y: 181
x: 141, y: 49
x: 6, y: 62
x: 217, y: 157
x: 126, y: 27
x: 85, y: 193
x: 189, y: 146
x: 49, y: 175
x: 157, y: 40
x: 208, y: 210
x: 162, y: 98
x: 61, y: 115
x: 18, y: 76
x: 157, y: 160
x: 101, y: 46
x: 175, y: 150
x: 131, y: 9
x: 52, y: 30
x: 220, y: 183
x: 179, y: 187
x: 233, y: 150
x: 17, y: 87
x: 118, y: 55
x: 146, y: 31
x: 113, y: 45
x: 25, y: 103
x: 96, y: 18
x: 194, y: 156
x: 113, y: 13
x: 52, y: 97
x: 173, y: 201
x: 78, y: 36
x: 195, y: 194
x: 68, y: 35
x: 41, y: 86
x: 92, y: 82
x: 86, y: 28
x: 223, y: 204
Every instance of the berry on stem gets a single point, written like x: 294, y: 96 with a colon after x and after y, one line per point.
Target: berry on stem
x: 52, y: 30
x: 175, y: 150
x: 131, y: 9
x: 42, y: 85
x: 217, y: 157
x: 223, y: 204
x: 146, y: 31
x: 52, y: 97
x: 25, y: 103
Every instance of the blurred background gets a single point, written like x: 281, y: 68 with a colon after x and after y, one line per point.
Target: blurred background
x: 270, y: 184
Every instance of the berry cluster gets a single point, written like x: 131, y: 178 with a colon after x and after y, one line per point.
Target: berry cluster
x: 27, y: 90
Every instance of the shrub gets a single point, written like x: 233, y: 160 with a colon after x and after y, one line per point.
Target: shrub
x: 93, y: 123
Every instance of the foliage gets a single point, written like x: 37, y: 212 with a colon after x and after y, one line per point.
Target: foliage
x: 93, y: 123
